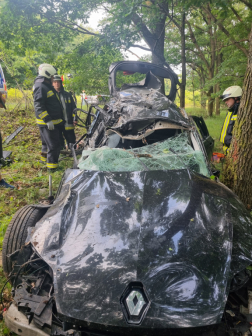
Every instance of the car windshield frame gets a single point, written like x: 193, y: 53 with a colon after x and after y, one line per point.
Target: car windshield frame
x: 143, y: 68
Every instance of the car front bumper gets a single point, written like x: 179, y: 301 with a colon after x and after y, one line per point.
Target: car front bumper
x: 18, y: 323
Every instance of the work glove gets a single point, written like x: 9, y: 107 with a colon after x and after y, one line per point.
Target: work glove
x: 50, y: 125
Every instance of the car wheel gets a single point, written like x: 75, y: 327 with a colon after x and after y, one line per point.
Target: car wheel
x: 16, y: 232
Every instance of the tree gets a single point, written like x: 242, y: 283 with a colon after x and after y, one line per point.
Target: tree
x: 89, y: 68
x: 213, y: 28
x: 126, y: 24
x: 238, y: 171
x: 219, y: 35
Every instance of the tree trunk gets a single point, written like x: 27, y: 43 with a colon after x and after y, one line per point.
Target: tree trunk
x: 210, y: 102
x: 217, y: 87
x: 183, y: 61
x: 203, y: 99
x: 202, y: 92
x: 238, y: 171
x: 217, y: 101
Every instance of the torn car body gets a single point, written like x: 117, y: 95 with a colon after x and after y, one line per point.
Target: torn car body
x: 139, y: 240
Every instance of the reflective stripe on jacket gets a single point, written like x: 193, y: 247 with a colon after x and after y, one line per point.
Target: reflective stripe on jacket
x: 55, y: 122
x: 227, y: 128
x: 46, y: 102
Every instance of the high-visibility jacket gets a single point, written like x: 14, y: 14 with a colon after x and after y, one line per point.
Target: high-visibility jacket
x: 227, y: 128
x: 47, y: 104
x: 68, y: 107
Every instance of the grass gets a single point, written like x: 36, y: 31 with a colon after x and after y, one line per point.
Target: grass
x: 214, y: 125
x: 31, y: 178
x: 26, y: 173
x: 7, y: 299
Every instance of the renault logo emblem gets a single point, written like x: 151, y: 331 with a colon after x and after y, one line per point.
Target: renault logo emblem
x: 134, y: 302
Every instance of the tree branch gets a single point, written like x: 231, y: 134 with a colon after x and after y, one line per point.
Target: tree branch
x: 235, y: 13
x: 193, y: 38
x: 141, y: 47
x: 70, y: 25
x: 247, y: 3
x: 168, y: 14
x: 225, y: 46
x: 224, y: 30
x: 130, y: 52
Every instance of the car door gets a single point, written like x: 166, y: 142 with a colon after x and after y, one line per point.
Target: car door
x: 207, y: 140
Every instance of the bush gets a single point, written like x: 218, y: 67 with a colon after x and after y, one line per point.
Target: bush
x: 16, y: 94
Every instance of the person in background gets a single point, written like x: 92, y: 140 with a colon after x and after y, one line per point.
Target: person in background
x: 49, y: 116
x: 68, y: 105
x: 231, y: 96
x: 3, y: 183
x: 70, y: 87
x: 83, y: 96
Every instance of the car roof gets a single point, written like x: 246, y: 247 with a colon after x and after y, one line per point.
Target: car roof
x: 141, y: 67
x: 144, y: 68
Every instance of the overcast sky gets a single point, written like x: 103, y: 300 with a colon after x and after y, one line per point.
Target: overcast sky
x: 93, y: 23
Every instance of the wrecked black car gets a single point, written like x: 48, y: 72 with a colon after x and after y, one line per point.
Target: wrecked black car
x: 142, y: 238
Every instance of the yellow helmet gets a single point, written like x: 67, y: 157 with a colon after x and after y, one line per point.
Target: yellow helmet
x: 232, y: 92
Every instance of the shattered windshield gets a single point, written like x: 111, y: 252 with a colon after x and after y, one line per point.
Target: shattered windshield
x: 173, y: 153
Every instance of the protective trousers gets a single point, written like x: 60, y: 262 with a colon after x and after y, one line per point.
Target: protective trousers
x: 69, y: 135
x: 50, y: 145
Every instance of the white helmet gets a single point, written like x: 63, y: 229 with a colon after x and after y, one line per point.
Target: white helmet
x: 57, y: 78
x: 232, y: 92
x: 46, y: 70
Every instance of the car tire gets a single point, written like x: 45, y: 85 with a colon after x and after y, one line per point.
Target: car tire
x: 16, y: 232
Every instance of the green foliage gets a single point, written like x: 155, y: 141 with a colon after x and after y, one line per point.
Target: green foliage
x: 23, y: 25
x: 128, y: 79
x: 88, y: 66
x: 50, y: 31
x: 26, y: 173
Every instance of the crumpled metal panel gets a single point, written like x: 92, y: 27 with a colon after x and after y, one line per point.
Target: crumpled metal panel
x: 145, y: 104
x: 169, y: 231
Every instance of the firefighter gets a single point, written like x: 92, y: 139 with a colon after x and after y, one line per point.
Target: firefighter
x: 3, y: 183
x: 231, y: 96
x: 49, y: 115
x: 68, y: 108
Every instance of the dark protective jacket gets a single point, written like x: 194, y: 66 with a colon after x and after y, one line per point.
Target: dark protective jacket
x: 227, y: 128
x: 1, y: 147
x: 68, y: 107
x: 47, y: 104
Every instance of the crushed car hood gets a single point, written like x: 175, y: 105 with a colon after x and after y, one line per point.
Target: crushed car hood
x: 170, y: 230
x: 148, y: 104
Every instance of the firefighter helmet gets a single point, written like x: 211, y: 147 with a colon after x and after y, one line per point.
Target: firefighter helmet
x: 57, y: 78
x: 232, y: 92
x: 46, y: 70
